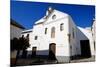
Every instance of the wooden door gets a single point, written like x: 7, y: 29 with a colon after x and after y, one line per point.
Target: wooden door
x: 52, y: 51
x: 33, y: 51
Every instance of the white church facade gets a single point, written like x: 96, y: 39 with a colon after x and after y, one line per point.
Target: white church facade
x: 56, y: 32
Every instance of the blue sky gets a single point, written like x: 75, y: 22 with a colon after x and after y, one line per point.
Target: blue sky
x: 27, y: 13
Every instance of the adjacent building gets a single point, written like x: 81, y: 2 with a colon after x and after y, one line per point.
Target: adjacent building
x: 15, y: 29
x: 94, y: 33
x: 15, y: 32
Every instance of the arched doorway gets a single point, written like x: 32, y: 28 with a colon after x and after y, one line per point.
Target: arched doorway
x: 52, y: 51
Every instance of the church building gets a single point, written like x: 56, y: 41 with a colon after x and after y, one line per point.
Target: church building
x: 56, y: 34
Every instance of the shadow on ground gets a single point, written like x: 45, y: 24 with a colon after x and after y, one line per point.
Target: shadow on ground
x: 43, y: 61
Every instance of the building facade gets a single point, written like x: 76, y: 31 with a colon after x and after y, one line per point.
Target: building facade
x: 57, y: 34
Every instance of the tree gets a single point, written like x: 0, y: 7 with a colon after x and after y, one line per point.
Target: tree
x: 20, y: 44
x: 14, y: 43
x: 24, y: 44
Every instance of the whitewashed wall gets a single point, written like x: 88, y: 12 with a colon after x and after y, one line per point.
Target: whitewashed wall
x: 64, y: 48
x: 94, y: 30
x: 74, y: 45
x: 15, y: 32
x: 60, y: 36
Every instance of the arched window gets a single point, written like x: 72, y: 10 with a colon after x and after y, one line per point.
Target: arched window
x: 61, y: 26
x: 54, y: 17
x: 52, y: 32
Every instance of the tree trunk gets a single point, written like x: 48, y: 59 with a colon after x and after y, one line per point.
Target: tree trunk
x: 24, y: 55
x: 17, y: 57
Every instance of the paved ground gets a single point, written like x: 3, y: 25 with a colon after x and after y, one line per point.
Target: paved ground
x: 35, y: 61
x: 92, y: 59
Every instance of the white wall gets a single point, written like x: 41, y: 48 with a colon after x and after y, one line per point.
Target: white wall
x: 74, y: 41
x: 30, y: 39
x: 94, y: 36
x: 63, y: 46
x: 94, y: 30
x: 15, y: 32
x: 61, y: 38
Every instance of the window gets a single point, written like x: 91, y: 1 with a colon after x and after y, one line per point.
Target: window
x: 73, y: 33
x: 69, y: 37
x: 36, y: 37
x: 54, y: 17
x: 61, y: 26
x: 46, y: 30
x: 52, y: 32
x: 34, y: 51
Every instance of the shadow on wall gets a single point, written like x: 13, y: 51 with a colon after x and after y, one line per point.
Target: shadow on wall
x: 81, y: 35
x: 84, y: 44
x: 44, y: 54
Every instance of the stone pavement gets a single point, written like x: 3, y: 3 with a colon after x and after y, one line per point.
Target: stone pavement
x: 91, y: 59
x: 36, y: 61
